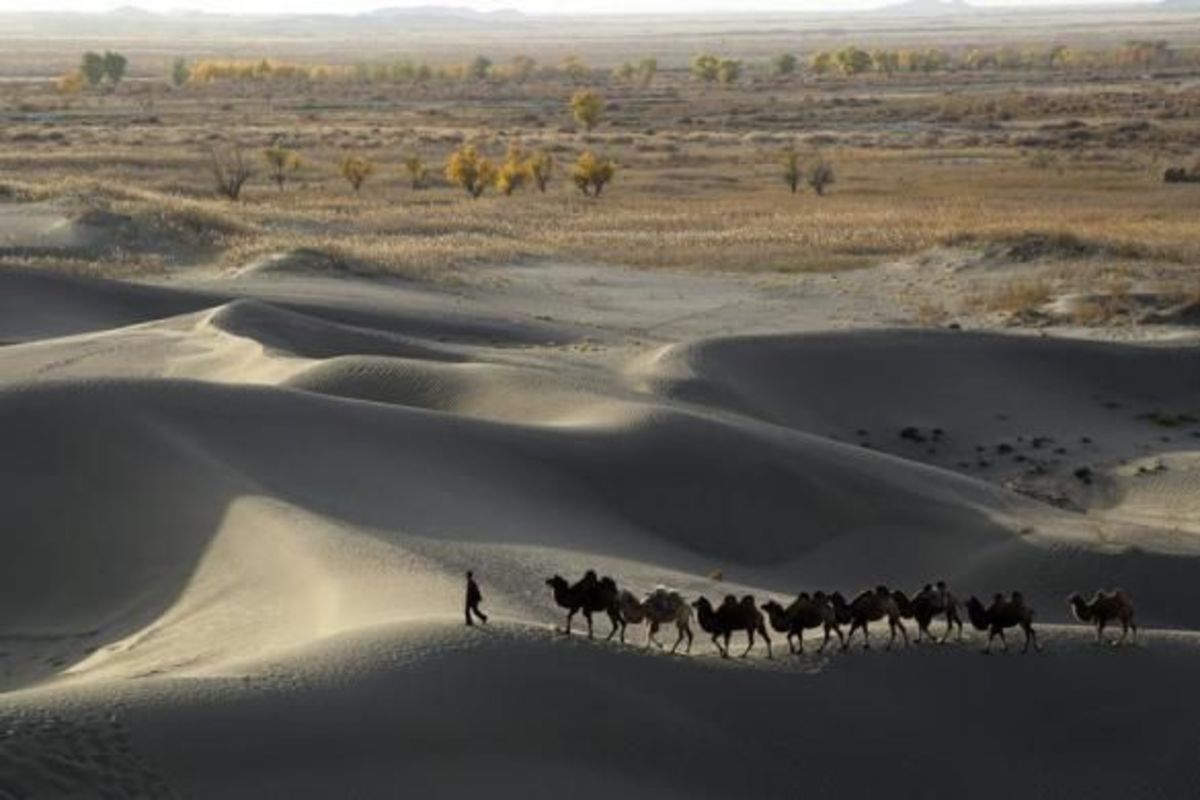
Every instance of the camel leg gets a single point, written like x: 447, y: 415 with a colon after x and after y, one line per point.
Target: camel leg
x: 1099, y: 631
x: 1031, y: 638
x: 678, y: 638
x: 866, y: 629
x: 588, y: 616
x: 570, y: 617
x: 1003, y: 640
x: 615, y: 619
x: 688, y: 630
x: 850, y: 636
x: 800, y: 641
x: 766, y: 638
x: 749, y: 642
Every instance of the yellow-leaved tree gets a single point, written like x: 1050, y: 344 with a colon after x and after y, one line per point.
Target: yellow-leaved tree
x: 592, y: 173
x: 471, y: 170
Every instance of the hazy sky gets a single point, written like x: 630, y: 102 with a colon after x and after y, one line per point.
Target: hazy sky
x: 529, y: 6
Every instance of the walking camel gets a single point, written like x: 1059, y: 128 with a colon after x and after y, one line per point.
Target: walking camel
x: 589, y: 595
x: 870, y: 606
x: 805, y: 612
x: 1003, y: 613
x: 1103, y: 609
x: 928, y: 604
x: 732, y: 615
x: 660, y: 607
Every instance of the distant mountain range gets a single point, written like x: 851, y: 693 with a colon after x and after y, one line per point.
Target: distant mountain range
x: 133, y: 20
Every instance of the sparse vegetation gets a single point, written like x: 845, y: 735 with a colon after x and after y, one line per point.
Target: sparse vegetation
x: 513, y: 172
x: 793, y: 170
x: 586, y: 108
x: 592, y: 173
x: 541, y: 168
x: 230, y: 170
x: 181, y: 73
x: 281, y: 162
x: 470, y: 170
x: 418, y: 173
x: 356, y: 169
x: 820, y: 176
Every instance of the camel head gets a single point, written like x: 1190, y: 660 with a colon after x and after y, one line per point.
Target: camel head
x: 1079, y: 607
x: 702, y: 604
x: 556, y: 581
x: 977, y: 614
x: 771, y: 607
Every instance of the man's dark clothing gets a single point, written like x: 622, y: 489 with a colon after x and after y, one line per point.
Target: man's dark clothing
x: 474, y: 598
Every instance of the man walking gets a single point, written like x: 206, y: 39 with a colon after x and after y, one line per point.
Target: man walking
x: 474, y: 598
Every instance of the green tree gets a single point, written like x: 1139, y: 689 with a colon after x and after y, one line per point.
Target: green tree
x: 180, y: 72
x: 114, y: 67
x: 92, y: 68
x: 586, y: 108
x: 793, y: 171
x: 784, y: 64
x: 479, y: 67
x: 852, y: 60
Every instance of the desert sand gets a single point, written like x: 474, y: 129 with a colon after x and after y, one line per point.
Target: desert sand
x: 238, y: 508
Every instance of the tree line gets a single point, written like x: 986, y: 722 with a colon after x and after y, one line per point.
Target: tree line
x: 468, y: 168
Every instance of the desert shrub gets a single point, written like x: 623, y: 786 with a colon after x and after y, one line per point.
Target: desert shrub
x: 784, y: 64
x: 230, y: 170
x: 519, y: 69
x: 356, y: 169
x: 729, y: 70
x: 513, y: 172
x: 280, y: 162
x: 592, y: 173
x: 418, y: 173
x: 647, y: 68
x: 885, y: 62
x: 70, y: 83
x: 470, y: 170
x: 541, y: 168
x: 820, y: 176
x: 706, y: 68
x: 180, y: 72
x: 586, y: 108
x: 574, y: 68
x: 821, y: 63
x: 478, y: 68
x: 1017, y: 296
x: 793, y: 171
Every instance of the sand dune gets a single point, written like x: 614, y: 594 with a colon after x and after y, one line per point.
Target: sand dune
x: 238, y: 515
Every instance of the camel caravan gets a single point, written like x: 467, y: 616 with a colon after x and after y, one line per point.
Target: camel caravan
x: 827, y: 614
